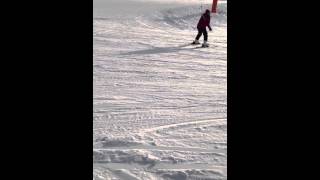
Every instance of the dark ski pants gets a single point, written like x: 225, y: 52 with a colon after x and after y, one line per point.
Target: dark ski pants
x: 204, y: 32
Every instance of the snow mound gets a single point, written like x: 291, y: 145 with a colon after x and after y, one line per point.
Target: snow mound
x: 117, y: 142
x: 124, y: 156
x: 187, y: 17
x: 190, y: 174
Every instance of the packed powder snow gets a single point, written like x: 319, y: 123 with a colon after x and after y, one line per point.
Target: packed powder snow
x: 160, y: 104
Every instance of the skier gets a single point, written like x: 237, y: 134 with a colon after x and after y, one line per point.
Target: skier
x: 202, y: 25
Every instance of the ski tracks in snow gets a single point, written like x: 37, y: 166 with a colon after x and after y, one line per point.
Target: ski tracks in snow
x: 159, y: 104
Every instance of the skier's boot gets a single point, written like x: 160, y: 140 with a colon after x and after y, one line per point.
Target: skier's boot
x: 205, y: 44
x: 195, y: 42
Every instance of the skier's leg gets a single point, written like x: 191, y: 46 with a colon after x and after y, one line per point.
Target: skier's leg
x: 199, y: 34
x: 196, y: 41
x: 205, y: 34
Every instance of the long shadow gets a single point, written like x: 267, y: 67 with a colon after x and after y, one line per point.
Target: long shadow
x: 158, y: 50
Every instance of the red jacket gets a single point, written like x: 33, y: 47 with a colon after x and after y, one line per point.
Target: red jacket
x: 204, y: 21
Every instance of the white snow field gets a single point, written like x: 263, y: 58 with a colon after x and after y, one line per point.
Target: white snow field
x: 160, y: 105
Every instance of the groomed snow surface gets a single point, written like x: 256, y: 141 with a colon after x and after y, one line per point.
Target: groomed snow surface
x: 160, y: 105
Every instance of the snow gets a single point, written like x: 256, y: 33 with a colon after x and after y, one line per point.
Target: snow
x: 160, y: 105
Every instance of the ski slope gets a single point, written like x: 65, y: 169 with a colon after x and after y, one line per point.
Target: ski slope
x: 160, y: 105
